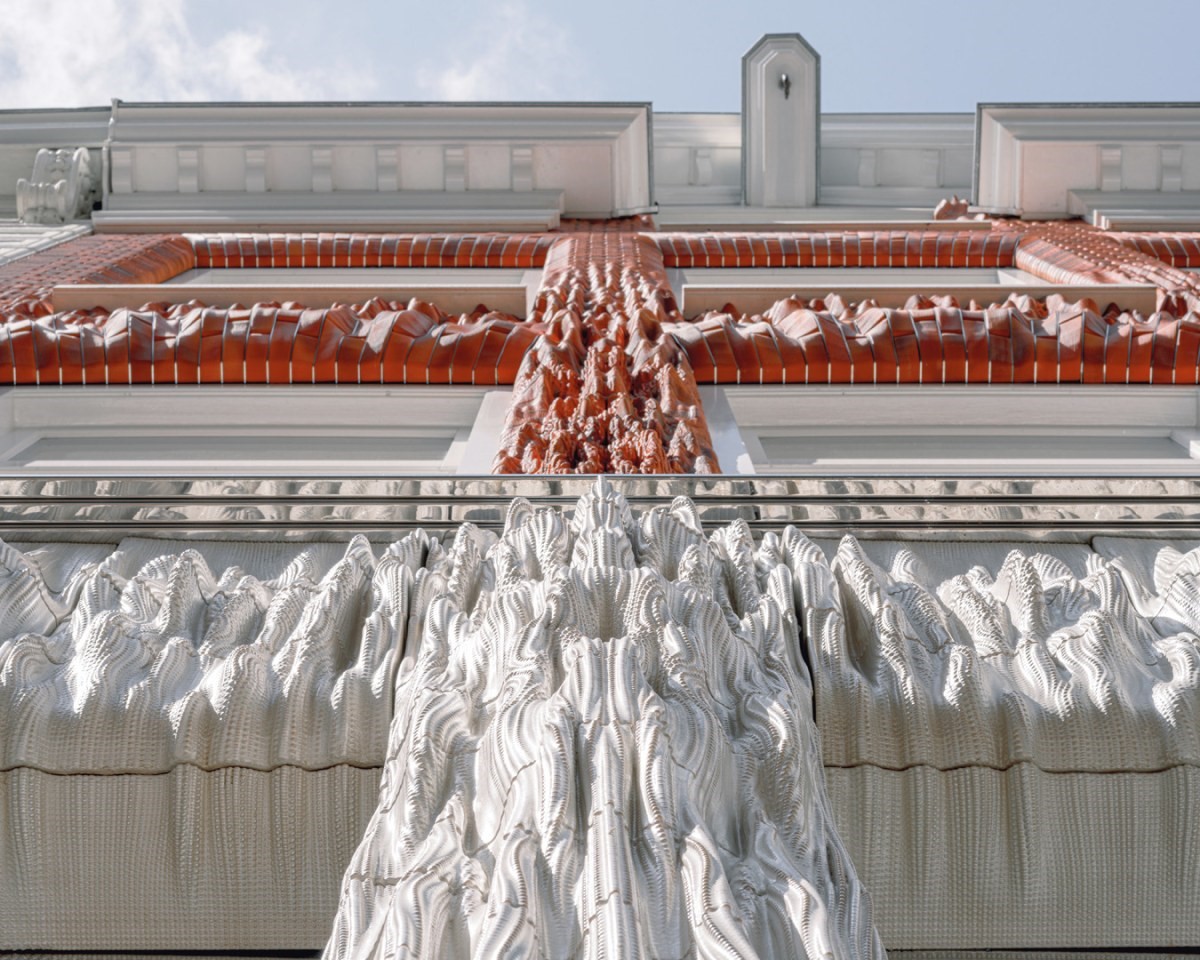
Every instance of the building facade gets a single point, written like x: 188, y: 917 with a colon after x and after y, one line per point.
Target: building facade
x: 573, y: 530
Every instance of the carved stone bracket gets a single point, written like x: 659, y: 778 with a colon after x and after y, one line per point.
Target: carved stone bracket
x: 64, y: 186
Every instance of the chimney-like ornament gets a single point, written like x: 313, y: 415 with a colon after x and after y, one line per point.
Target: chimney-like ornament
x: 780, y: 134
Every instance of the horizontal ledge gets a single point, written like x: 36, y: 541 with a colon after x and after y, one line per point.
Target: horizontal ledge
x: 218, y: 220
x: 454, y: 299
x: 712, y: 218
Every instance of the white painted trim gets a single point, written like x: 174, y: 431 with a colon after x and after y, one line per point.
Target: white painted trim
x: 818, y: 218
x: 781, y: 114
x: 19, y: 240
x: 1137, y: 209
x: 348, y: 166
x: 1024, y: 424
x: 483, y: 441
x: 260, y: 427
x: 455, y: 290
x: 897, y: 130
x: 452, y: 298
x: 1030, y: 157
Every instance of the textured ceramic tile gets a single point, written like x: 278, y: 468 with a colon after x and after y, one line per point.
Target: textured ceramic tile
x: 603, y: 747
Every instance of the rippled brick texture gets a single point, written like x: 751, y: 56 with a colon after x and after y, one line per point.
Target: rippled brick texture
x: 260, y: 250
x: 934, y: 340
x: 375, y: 342
x: 25, y: 284
x: 1176, y: 249
x: 1073, y: 252
x: 603, y: 390
x: 865, y: 248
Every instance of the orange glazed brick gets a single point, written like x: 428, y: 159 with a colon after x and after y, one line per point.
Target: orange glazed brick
x: 1141, y: 352
x: 485, y: 371
x: 770, y: 361
x: 1165, y: 347
x: 954, y: 344
x: 745, y: 358
x: 1095, y: 348
x: 975, y: 340
x: 1186, y: 368
x: 1046, y: 351
x: 833, y: 337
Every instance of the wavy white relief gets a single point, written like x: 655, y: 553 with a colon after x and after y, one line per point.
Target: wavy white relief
x: 992, y: 654
x: 1010, y: 734
x: 603, y: 747
x: 141, y: 660
x: 191, y: 737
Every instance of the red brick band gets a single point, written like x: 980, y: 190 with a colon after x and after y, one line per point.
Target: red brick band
x: 376, y: 342
x: 934, y: 341
x: 872, y: 248
x: 314, y: 250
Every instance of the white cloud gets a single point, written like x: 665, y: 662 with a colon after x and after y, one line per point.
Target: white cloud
x: 509, y: 54
x: 78, y: 52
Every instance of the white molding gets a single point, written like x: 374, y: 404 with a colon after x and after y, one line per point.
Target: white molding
x: 698, y: 159
x: 295, y: 210
x: 1137, y: 209
x: 498, y: 166
x: 19, y: 240
x: 867, y: 195
x: 756, y: 291
x: 948, y: 430
x: 260, y: 430
x: 718, y: 217
x: 455, y: 296
x: 895, y: 159
x: 1032, y: 157
x: 897, y: 130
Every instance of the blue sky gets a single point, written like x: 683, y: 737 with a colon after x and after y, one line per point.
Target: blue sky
x: 935, y: 55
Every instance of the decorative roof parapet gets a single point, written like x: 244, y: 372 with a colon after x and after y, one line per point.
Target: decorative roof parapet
x: 781, y: 122
x: 447, y: 166
x: 1040, y: 161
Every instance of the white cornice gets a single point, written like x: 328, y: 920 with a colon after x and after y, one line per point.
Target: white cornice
x: 408, y: 166
x: 1031, y: 157
x: 914, y: 130
x: 1138, y: 209
x: 867, y: 160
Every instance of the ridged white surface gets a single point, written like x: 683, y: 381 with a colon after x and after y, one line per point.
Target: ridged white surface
x: 954, y: 654
x: 1010, y: 737
x: 156, y: 655
x: 230, y: 859
x: 191, y: 736
x: 603, y: 747
x: 977, y: 858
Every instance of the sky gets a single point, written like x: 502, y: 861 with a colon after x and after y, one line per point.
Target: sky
x: 905, y: 55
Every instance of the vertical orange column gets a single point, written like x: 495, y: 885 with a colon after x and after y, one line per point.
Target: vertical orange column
x: 604, y: 390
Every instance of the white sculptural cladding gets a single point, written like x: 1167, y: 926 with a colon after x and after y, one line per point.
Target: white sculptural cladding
x: 187, y: 758
x: 603, y: 747
x: 64, y: 186
x: 1011, y: 735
